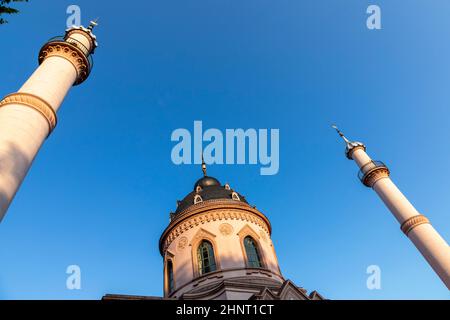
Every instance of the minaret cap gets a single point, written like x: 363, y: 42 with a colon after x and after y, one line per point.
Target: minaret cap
x: 350, y: 146
x: 88, y: 31
x: 92, y: 24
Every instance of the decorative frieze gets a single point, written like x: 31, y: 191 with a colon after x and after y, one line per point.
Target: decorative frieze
x: 226, y: 229
x: 35, y: 102
x: 413, y: 222
x: 182, y: 243
x: 263, y: 236
x: 69, y: 52
x: 212, y: 214
x: 374, y: 175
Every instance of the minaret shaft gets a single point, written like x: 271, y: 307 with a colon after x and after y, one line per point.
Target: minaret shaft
x: 394, y: 199
x: 28, y: 116
x: 51, y: 81
x: 360, y: 157
x: 418, y: 229
x: 22, y: 131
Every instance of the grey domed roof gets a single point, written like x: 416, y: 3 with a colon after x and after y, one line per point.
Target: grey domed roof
x: 210, y: 189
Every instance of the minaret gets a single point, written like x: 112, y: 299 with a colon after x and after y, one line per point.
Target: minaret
x: 416, y: 227
x: 28, y: 116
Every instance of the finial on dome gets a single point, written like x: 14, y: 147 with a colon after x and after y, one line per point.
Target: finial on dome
x: 93, y: 24
x: 203, y: 166
x: 350, y: 146
x: 340, y: 133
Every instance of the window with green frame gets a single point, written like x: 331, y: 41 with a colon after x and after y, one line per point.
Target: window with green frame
x: 253, y: 256
x: 205, y: 257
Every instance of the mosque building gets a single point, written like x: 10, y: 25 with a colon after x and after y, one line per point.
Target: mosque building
x: 217, y: 245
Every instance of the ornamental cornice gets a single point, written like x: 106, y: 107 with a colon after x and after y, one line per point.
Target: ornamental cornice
x: 211, y: 210
x: 374, y: 175
x: 413, y: 222
x: 34, y: 102
x: 69, y: 52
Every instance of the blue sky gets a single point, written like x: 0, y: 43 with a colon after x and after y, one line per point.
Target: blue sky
x: 101, y: 189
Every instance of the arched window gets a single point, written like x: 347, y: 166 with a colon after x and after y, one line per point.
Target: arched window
x: 205, y: 257
x: 170, y: 275
x: 253, y: 256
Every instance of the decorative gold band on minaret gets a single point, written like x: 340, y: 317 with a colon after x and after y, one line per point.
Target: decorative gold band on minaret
x: 70, y: 52
x: 373, y: 171
x: 374, y: 175
x: 413, y: 222
x: 35, y: 102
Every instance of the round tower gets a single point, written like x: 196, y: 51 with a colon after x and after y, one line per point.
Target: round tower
x: 28, y: 116
x: 217, y: 246
x: 416, y: 226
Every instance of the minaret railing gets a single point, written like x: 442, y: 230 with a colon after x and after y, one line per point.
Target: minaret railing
x: 77, y: 44
x: 368, y: 168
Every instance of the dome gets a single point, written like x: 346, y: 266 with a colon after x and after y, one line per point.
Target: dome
x: 210, y: 189
x: 206, y: 182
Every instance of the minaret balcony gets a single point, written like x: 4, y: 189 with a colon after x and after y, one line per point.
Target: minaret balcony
x: 372, y: 171
x: 75, y: 43
x: 73, y: 50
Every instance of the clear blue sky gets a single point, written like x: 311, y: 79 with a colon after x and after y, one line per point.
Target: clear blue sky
x: 101, y: 189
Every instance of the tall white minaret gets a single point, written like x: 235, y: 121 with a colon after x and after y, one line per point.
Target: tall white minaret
x: 416, y: 227
x: 28, y: 116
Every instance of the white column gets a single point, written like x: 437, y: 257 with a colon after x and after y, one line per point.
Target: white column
x: 416, y: 226
x: 51, y: 81
x: 22, y: 131
x: 28, y: 116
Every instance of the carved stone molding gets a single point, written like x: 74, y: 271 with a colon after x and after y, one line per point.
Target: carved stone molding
x: 254, y: 276
x: 213, y: 214
x: 263, y: 236
x: 374, y: 175
x: 413, y: 222
x: 182, y: 243
x: 32, y: 101
x: 249, y: 231
x: 226, y: 229
x: 215, y: 204
x: 69, y: 52
x: 200, y: 236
